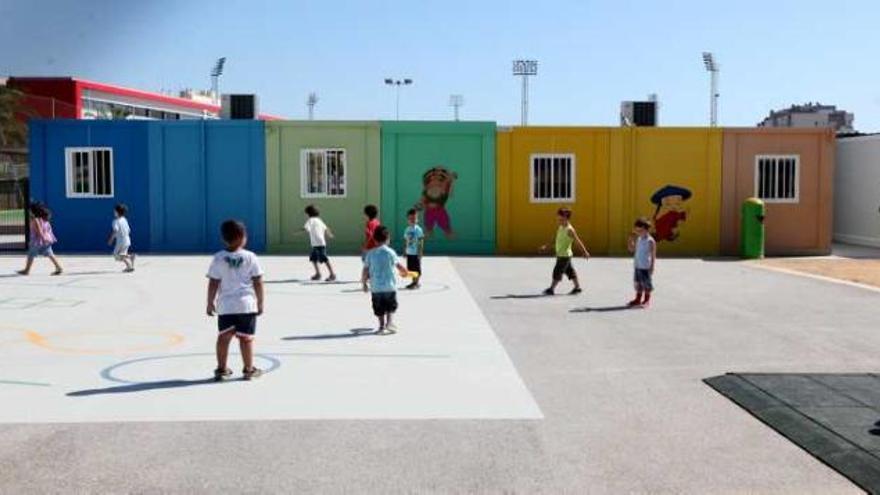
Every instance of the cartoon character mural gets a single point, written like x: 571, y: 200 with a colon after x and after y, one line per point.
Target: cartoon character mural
x: 437, y: 185
x: 671, y: 210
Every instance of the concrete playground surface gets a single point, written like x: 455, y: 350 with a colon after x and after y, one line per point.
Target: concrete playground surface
x: 487, y: 387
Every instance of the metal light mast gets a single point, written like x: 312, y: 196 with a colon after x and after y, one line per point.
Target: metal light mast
x: 713, y: 68
x: 456, y: 102
x: 525, y: 68
x: 311, y: 101
x: 216, y: 72
x: 398, y: 83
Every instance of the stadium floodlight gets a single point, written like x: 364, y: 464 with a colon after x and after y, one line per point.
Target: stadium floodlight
x: 311, y: 101
x: 525, y: 69
x: 397, y: 83
x: 216, y: 72
x: 713, y: 68
x: 456, y: 102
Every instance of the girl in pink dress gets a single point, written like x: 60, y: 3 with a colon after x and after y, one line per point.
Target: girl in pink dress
x: 41, y: 239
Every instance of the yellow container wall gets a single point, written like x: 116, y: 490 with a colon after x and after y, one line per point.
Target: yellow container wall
x: 618, y: 173
x: 673, y: 177
x: 524, y: 225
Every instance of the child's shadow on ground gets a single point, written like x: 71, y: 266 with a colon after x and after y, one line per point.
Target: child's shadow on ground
x: 311, y: 282
x: 95, y: 272
x: 520, y: 296
x: 142, y: 387
x: 353, y: 333
x: 602, y: 309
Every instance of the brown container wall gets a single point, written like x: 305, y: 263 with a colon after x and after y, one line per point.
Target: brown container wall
x: 800, y: 226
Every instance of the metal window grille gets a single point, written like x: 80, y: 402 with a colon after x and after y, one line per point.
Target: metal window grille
x: 89, y: 172
x: 553, y: 178
x: 324, y: 173
x: 776, y: 178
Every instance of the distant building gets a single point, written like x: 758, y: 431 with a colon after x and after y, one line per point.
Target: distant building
x: 74, y: 98
x: 811, y: 115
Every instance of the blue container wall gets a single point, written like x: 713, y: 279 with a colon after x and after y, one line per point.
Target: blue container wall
x: 202, y: 173
x: 82, y: 224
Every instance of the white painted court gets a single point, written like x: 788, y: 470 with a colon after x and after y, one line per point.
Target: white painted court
x: 98, y: 345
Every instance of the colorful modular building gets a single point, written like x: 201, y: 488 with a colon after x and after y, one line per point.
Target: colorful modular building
x: 480, y: 190
x: 179, y: 179
x: 332, y: 165
x: 857, y: 191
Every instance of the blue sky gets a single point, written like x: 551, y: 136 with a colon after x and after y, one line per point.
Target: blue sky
x: 592, y: 54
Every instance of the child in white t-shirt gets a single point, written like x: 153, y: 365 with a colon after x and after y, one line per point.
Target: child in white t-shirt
x: 235, y: 293
x: 318, y: 234
x: 120, y: 237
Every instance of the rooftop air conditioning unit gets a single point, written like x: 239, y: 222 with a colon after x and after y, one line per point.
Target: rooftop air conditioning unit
x: 638, y: 113
x: 239, y: 107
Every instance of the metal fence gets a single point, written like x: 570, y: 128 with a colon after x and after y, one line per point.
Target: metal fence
x: 13, y: 202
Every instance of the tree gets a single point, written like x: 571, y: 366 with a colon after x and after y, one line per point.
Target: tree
x: 13, y: 132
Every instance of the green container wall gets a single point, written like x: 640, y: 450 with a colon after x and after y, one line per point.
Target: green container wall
x: 409, y: 149
x: 285, y: 204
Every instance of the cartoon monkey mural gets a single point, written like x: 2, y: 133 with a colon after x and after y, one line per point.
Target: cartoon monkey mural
x: 671, y: 210
x: 437, y: 185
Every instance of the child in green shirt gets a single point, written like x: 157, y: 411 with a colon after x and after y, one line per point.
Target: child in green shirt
x: 566, y: 236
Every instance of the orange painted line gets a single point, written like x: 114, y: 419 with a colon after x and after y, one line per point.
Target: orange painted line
x: 40, y: 340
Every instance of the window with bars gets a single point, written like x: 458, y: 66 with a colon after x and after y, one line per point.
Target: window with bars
x: 553, y: 178
x: 323, y: 173
x: 89, y: 172
x: 776, y: 178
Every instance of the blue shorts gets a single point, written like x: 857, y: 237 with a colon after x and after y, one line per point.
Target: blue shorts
x: 319, y: 254
x: 34, y: 251
x: 244, y: 325
x: 642, y: 280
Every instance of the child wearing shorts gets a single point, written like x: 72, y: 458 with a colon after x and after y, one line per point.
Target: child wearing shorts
x: 235, y: 294
x: 414, y: 249
x: 41, y: 239
x: 644, y: 249
x: 379, y: 266
x: 120, y: 237
x: 566, y: 236
x: 318, y: 234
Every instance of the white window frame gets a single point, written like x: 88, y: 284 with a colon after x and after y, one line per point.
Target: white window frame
x: 570, y: 199
x: 797, y: 177
x: 304, y: 171
x: 68, y: 172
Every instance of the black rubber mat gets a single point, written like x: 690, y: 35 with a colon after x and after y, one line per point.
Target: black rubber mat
x: 834, y: 417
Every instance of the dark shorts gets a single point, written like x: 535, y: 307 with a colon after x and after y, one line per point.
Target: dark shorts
x: 384, y: 303
x: 318, y: 254
x: 642, y: 279
x: 564, y: 266
x: 34, y: 251
x: 244, y: 325
x: 414, y: 263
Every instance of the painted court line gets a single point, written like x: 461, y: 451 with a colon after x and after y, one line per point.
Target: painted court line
x: 814, y: 276
x: 445, y: 362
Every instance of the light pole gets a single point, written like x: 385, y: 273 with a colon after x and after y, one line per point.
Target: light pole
x: 714, y: 69
x: 311, y: 101
x: 398, y: 83
x: 456, y: 102
x: 216, y: 72
x: 525, y: 68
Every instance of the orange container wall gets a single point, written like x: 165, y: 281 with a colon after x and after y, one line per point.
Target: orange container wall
x: 523, y: 225
x: 802, y: 227
x: 672, y: 176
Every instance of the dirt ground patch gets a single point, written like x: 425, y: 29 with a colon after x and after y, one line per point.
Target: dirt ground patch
x: 854, y: 270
